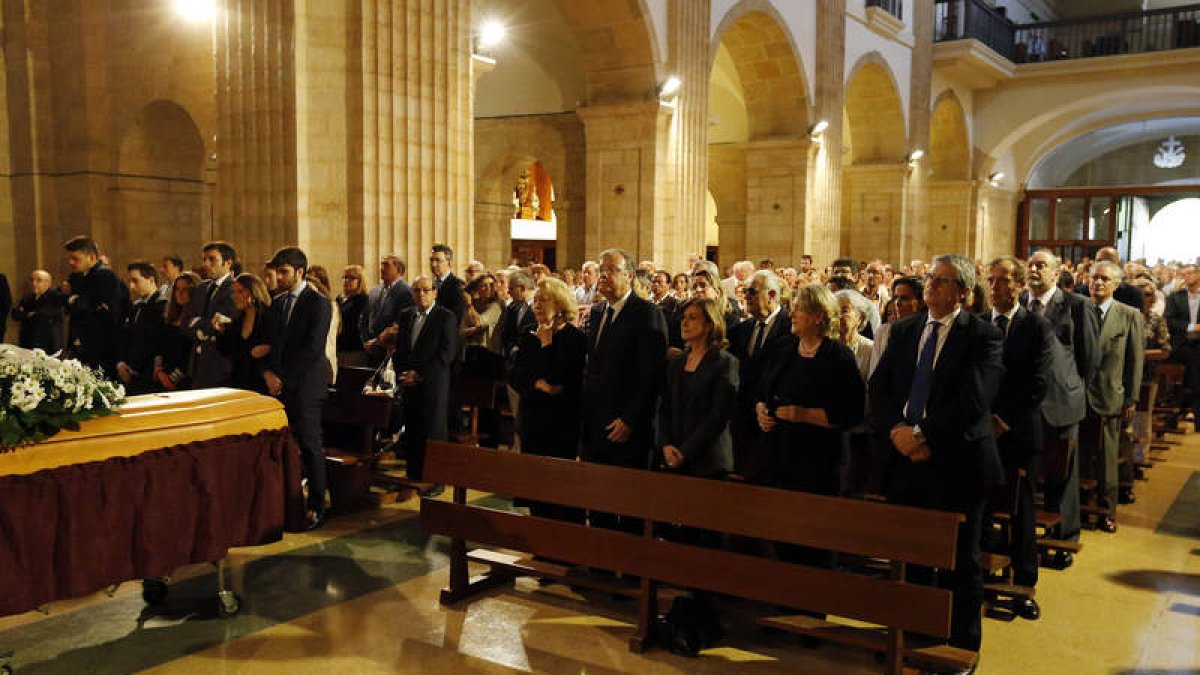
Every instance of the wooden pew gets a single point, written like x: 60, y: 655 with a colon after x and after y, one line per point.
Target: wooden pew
x: 351, y: 421
x: 896, y: 534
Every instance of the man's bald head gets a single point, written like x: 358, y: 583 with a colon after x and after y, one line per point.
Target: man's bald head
x: 423, y: 292
x: 39, y: 281
x: 1110, y: 254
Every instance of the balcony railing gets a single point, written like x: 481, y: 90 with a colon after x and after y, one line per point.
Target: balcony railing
x: 1132, y: 33
x: 893, y: 7
x: 962, y: 19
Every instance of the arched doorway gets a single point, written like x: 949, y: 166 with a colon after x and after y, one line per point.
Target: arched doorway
x: 1170, y: 234
x: 758, y: 140
x: 159, y: 206
x: 949, y: 177
x: 875, y: 171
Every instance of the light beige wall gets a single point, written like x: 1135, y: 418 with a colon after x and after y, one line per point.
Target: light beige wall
x: 727, y: 184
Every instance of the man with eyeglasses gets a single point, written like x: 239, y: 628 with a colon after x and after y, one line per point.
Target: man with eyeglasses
x: 1076, y: 328
x: 751, y: 341
x: 627, y: 347
x: 931, y: 397
x: 1114, y: 387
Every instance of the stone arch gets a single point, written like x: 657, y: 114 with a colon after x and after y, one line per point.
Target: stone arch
x: 949, y: 140
x: 619, y: 49
x: 509, y: 145
x: 874, y: 114
x: 768, y: 63
x: 159, y: 203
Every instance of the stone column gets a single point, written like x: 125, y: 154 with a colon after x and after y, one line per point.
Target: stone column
x: 689, y: 44
x: 823, y: 212
x: 776, y: 177
x: 493, y: 235
x: 727, y: 173
x: 919, y: 231
x: 626, y: 167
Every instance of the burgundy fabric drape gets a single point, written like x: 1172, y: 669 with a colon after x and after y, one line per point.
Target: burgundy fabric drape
x: 76, y: 529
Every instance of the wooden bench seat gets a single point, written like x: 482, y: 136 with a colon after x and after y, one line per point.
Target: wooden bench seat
x: 896, y: 534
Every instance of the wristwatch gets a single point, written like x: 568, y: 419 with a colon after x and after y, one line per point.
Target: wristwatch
x: 917, y: 435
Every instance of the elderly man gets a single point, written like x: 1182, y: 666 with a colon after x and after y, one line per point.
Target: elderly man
x: 426, y: 342
x: 1076, y: 328
x: 875, y: 289
x: 585, y: 293
x: 472, y: 270
x: 627, y: 346
x: 1017, y: 412
x: 751, y: 341
x: 931, y: 398
x: 1124, y: 293
x: 741, y: 272
x: 387, y: 300
x: 1114, y: 387
x: 40, y: 314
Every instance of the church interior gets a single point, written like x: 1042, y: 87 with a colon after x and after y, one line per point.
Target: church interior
x: 546, y: 131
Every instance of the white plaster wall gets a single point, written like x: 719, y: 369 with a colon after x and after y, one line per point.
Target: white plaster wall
x: 861, y: 40
x: 800, y: 20
x: 657, y: 11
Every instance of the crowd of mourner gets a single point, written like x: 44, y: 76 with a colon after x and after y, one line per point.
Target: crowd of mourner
x: 927, y: 384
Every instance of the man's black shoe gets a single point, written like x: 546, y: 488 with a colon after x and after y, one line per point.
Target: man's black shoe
x: 1028, y: 609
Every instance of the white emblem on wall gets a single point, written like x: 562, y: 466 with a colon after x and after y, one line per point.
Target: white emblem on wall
x: 1170, y: 154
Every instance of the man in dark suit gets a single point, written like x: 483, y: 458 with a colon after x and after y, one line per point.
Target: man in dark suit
x: 931, y: 397
x: 141, y: 330
x: 426, y: 342
x: 627, y: 348
x: 96, y: 304
x: 5, y: 305
x: 751, y: 341
x: 517, y: 320
x: 1181, y: 313
x: 40, y: 314
x: 1076, y: 328
x: 660, y: 295
x: 1115, y: 385
x: 1017, y: 412
x: 387, y: 300
x: 213, y: 297
x: 449, y: 287
x: 297, y: 373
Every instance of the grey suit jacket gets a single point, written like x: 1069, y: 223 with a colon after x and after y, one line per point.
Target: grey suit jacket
x: 1118, y: 380
x: 1073, y: 358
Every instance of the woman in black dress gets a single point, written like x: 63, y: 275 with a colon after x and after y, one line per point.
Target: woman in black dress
x: 352, y: 302
x: 246, y: 340
x: 699, y: 397
x: 548, y: 374
x: 173, y: 362
x: 810, y: 392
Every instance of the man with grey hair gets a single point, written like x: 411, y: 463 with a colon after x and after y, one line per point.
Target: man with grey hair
x: 585, y: 293
x: 1114, y: 387
x: 517, y: 320
x: 751, y: 341
x: 387, y: 300
x: 40, y: 313
x: 627, y: 347
x: 740, y: 273
x: 1065, y: 404
x: 931, y: 398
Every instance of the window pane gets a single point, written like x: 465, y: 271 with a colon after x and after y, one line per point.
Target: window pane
x: 1069, y: 219
x: 1098, y: 220
x: 1039, y: 219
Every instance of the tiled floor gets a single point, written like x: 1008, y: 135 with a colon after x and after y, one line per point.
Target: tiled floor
x: 360, y: 596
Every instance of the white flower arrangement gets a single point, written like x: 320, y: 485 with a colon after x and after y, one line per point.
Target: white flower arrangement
x: 41, y: 395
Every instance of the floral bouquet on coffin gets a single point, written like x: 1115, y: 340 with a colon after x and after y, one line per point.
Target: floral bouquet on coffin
x: 41, y: 395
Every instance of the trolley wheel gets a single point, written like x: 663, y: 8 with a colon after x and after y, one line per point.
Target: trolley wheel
x: 230, y: 603
x: 154, y: 591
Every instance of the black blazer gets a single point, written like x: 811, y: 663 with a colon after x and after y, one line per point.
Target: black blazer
x: 958, y: 415
x: 751, y: 366
x: 624, y: 375
x: 1075, y: 324
x: 211, y: 368
x: 1027, y: 358
x: 696, y: 419
x: 96, y: 312
x: 512, y: 331
x: 450, y: 296
x: 41, y: 319
x: 670, y: 307
x: 142, y: 334
x: 298, y: 344
x: 1178, y: 315
x: 549, y: 423
x: 431, y: 358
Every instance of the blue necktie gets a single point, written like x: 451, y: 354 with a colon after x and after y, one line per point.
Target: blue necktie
x: 287, y: 307
x: 918, y: 396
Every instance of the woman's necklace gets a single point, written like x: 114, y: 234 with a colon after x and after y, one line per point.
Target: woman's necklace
x: 809, y: 351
